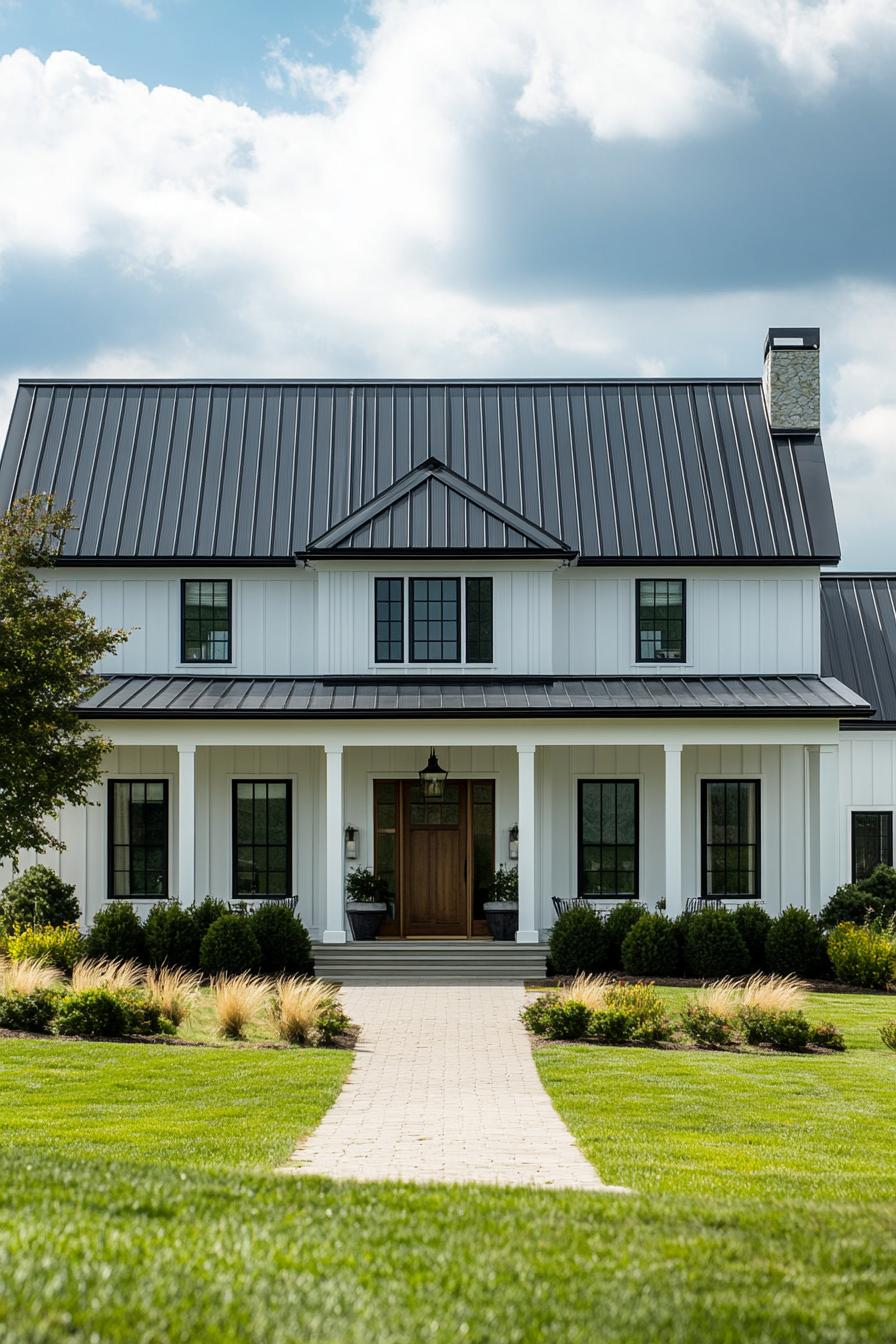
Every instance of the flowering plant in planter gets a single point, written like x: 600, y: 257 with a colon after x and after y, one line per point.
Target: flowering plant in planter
x: 504, y: 886
x: 366, y: 897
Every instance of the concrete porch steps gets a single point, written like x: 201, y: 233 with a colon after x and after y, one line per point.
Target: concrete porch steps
x: 431, y: 961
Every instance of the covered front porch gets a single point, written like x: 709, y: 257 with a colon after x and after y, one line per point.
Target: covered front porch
x: 515, y: 797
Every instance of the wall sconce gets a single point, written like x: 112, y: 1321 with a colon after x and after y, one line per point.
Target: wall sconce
x: 513, y: 842
x: 351, y: 842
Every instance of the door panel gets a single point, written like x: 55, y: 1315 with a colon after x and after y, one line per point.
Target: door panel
x: 435, y: 893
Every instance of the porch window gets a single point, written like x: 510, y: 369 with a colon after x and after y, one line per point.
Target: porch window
x: 435, y: 620
x: 206, y: 620
x: 872, y: 842
x: 262, y: 838
x: 608, y: 838
x: 661, y: 621
x: 138, y: 839
x: 731, y: 838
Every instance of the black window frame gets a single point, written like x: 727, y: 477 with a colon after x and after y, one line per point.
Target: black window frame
x: 184, y: 658
x: 666, y: 662
x: 756, y: 895
x: 234, y: 845
x: 392, y: 582
x: 580, y: 841
x: 861, y: 812
x: 487, y: 602
x: 112, y: 845
x: 414, y: 579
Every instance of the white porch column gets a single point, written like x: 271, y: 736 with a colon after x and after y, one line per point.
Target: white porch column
x: 334, y: 932
x: 824, y: 798
x: 673, y: 831
x: 186, y: 824
x: 527, y: 931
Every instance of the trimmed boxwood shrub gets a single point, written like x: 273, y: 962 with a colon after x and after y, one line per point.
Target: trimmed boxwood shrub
x: 713, y: 947
x: 283, y: 940
x: 28, y: 1012
x: 827, y: 1036
x: 143, y: 1018
x: 171, y: 936
x: 753, y: 924
x: 229, y: 947
x: 617, y: 924
x: 873, y: 897
x: 651, y: 947
x: 92, y: 1012
x: 881, y: 887
x: 39, y: 897
x: 204, y: 915
x: 795, y: 945
x: 862, y: 956
x: 578, y: 942
x: 116, y: 933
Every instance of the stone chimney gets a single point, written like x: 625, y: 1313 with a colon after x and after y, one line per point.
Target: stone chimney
x: 790, y: 380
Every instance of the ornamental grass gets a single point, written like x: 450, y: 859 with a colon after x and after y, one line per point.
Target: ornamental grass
x: 174, y: 991
x: 774, y: 993
x: 298, y: 1006
x: 27, y: 976
x: 589, y: 990
x: 103, y: 973
x: 238, y: 1001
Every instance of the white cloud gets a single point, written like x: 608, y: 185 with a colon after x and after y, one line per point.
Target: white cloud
x: 335, y: 236
x: 144, y: 8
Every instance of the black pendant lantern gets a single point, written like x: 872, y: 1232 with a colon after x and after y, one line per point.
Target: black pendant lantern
x: 432, y: 777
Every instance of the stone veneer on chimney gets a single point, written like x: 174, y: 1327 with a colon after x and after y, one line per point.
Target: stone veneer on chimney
x: 791, y: 380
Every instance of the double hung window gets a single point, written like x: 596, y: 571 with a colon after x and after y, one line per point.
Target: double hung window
x: 433, y: 620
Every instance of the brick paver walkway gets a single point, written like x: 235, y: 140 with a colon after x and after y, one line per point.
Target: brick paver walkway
x: 443, y: 1088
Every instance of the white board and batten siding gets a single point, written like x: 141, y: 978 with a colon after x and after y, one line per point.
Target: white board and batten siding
x: 548, y: 620
x: 763, y: 624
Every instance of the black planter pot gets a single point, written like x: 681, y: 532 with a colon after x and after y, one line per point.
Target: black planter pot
x: 365, y: 918
x: 503, y: 919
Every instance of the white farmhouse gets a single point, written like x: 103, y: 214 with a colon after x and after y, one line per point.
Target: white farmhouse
x: 599, y: 604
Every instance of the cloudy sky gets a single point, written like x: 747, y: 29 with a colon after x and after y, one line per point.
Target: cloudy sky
x: 459, y: 187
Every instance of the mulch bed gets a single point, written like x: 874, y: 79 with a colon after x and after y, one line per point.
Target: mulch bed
x: 815, y: 986
x: 541, y: 1042
x: 346, y: 1041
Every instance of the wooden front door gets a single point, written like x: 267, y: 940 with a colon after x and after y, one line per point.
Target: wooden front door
x: 435, y: 876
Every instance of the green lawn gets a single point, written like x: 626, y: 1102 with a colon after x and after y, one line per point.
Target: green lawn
x: 137, y: 1205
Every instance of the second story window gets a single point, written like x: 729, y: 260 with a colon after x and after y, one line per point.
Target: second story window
x: 661, y: 637
x: 435, y: 620
x: 206, y: 621
x: 426, y: 620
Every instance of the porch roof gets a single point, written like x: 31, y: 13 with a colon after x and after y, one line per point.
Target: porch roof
x: 169, y: 697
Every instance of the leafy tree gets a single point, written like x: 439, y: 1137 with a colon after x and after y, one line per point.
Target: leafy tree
x: 49, y: 646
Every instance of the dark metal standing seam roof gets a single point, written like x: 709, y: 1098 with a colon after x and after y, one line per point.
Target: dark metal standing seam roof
x: 615, y: 697
x: 858, y: 638
x: 258, y: 472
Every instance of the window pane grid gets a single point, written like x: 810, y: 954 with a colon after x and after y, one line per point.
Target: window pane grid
x: 389, y: 620
x: 479, y: 621
x: 262, y: 838
x: 661, y: 621
x: 731, y: 838
x: 138, y: 839
x: 206, y: 611
x: 608, y: 837
x: 435, y: 620
x: 872, y: 842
